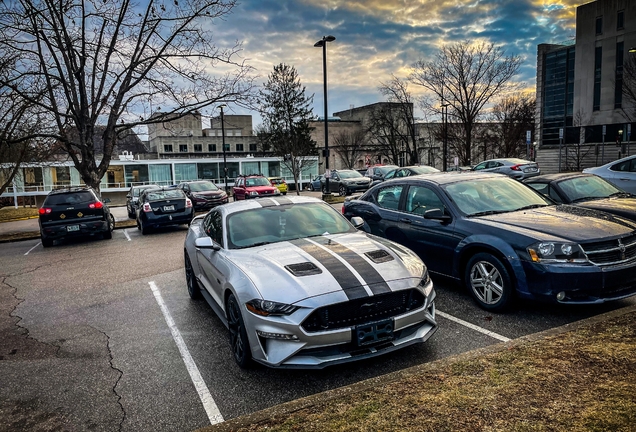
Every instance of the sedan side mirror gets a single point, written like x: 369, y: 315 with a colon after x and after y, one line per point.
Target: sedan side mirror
x: 436, y: 214
x: 207, y: 243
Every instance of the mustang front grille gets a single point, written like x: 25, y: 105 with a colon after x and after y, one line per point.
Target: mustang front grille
x: 363, y: 310
x: 611, y: 252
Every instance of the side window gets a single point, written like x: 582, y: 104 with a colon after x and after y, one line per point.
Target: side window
x: 213, y: 226
x: 389, y: 197
x: 480, y: 166
x: 420, y: 199
x: 542, y: 188
x: 334, y: 175
x: 555, y: 196
x: 621, y: 167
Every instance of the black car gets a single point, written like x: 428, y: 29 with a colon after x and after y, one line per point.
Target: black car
x: 585, y: 190
x: 132, y: 199
x: 503, y: 239
x: 162, y: 207
x: 74, y: 212
x: 345, y: 182
x: 204, y: 194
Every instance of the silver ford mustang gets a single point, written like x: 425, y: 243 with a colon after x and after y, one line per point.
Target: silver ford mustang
x: 299, y: 287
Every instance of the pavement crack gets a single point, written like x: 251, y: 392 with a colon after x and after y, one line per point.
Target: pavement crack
x: 120, y: 372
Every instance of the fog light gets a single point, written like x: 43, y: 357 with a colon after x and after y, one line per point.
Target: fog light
x: 561, y: 296
x: 279, y: 336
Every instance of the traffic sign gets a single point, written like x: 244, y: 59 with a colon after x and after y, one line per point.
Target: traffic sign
x: 528, y: 136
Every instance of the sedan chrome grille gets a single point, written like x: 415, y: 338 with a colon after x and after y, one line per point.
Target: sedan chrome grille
x: 363, y: 310
x: 611, y: 252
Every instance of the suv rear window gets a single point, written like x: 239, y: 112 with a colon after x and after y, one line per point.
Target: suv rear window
x: 69, y: 198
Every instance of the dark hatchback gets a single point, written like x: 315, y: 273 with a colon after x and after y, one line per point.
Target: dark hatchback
x: 585, y: 190
x: 74, y: 212
x: 503, y: 239
x: 162, y: 207
x: 204, y: 194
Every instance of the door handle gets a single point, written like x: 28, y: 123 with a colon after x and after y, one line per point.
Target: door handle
x: 406, y: 221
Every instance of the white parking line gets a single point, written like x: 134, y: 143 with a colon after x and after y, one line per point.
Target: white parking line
x: 472, y: 326
x: 39, y: 243
x: 204, y: 393
x: 126, y: 234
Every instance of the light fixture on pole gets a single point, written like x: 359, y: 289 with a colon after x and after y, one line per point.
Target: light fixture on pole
x: 223, y: 143
x: 632, y: 50
x: 323, y: 43
x: 445, y: 139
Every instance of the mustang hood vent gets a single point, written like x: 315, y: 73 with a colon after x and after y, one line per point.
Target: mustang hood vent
x: 303, y: 269
x: 379, y: 256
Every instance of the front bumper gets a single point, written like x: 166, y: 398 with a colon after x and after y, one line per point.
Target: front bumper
x: 581, y: 284
x: 317, y: 350
x: 202, y: 203
x: 84, y: 228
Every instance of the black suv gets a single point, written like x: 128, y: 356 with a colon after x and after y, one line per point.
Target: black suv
x: 74, y: 212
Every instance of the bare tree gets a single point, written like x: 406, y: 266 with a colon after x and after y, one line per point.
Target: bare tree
x: 629, y: 87
x: 396, y: 91
x: 466, y: 76
x: 111, y: 62
x: 350, y: 146
x: 512, y: 116
x: 286, y: 113
x: 385, y: 131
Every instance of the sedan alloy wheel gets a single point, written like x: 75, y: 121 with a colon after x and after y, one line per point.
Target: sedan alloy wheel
x: 489, y: 282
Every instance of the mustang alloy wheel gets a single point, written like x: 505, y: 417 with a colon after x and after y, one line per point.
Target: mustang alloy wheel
x: 238, y: 336
x: 488, y: 282
x: 191, y: 281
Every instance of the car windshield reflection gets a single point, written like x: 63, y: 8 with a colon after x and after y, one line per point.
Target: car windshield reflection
x: 493, y: 195
x: 582, y: 188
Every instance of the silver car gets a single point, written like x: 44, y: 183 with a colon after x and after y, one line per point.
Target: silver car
x: 516, y: 168
x: 298, y: 286
x: 621, y: 173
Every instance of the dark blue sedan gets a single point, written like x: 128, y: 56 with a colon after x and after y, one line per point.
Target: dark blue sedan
x: 503, y: 239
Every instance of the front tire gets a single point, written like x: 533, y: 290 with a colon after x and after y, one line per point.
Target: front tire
x: 191, y: 281
x: 238, y: 335
x: 489, y: 282
x: 310, y: 188
x: 342, y: 191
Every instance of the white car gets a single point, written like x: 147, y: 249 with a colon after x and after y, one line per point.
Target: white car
x: 621, y: 173
x: 298, y: 286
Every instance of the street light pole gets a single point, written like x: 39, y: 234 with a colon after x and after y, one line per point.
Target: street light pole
x: 223, y: 144
x: 323, y: 43
x: 445, y: 137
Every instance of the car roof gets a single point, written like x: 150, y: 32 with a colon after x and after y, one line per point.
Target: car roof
x: 556, y: 176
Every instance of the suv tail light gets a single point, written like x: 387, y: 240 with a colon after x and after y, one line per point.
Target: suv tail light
x: 45, y: 210
x: 147, y: 207
x: 188, y: 203
x: 515, y: 167
x: 343, y: 210
x: 96, y: 205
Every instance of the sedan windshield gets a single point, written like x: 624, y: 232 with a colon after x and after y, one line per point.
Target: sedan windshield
x: 257, y: 181
x: 349, y: 174
x: 581, y: 188
x: 493, y: 195
x: 265, y: 225
x: 203, y: 186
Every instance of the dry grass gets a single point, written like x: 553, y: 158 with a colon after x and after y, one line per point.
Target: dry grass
x: 11, y: 213
x: 583, y: 380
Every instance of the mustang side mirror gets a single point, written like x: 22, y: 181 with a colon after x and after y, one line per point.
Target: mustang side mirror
x: 357, y: 222
x: 207, y: 243
x: 436, y: 214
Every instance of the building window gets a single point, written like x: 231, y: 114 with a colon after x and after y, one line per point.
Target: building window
x: 226, y: 147
x: 598, y: 55
x: 167, y: 148
x: 239, y: 147
x: 252, y: 147
x: 183, y: 148
x: 198, y: 148
x: 618, y: 79
x: 620, y: 20
x: 599, y: 25
x: 211, y: 147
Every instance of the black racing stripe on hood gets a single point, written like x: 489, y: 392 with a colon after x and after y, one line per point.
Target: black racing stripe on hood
x: 347, y: 280
x: 372, y: 277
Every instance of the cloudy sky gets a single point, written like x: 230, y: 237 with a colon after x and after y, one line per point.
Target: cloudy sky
x: 377, y: 38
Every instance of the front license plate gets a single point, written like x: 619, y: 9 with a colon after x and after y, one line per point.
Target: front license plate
x: 369, y: 334
x: 168, y: 208
x: 72, y: 228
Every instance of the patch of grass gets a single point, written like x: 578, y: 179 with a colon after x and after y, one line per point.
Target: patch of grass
x: 12, y: 213
x: 583, y: 380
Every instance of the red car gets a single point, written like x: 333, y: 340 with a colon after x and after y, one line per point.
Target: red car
x: 253, y: 186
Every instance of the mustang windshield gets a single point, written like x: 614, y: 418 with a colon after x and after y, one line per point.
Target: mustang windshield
x: 581, y: 188
x: 493, y: 195
x: 282, y: 223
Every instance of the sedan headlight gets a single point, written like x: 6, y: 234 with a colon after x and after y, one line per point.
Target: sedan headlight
x: 268, y: 308
x: 556, y: 252
x: 276, y: 191
x: 199, y: 196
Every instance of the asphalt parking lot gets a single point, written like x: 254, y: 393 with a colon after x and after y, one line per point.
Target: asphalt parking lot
x: 101, y: 334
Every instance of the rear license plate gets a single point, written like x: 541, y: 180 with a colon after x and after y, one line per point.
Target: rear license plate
x: 72, y: 228
x: 168, y: 208
x: 369, y: 334
x: 533, y: 169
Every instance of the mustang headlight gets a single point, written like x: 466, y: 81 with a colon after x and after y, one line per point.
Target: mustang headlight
x: 556, y: 252
x: 268, y: 308
x: 426, y: 279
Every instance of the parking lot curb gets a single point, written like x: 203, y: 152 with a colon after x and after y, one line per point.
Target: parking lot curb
x: 316, y: 400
